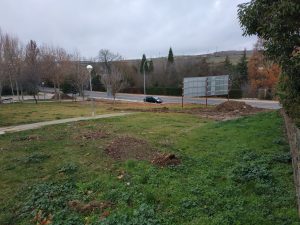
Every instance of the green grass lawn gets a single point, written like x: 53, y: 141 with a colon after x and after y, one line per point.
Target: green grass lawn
x: 23, y: 113
x: 20, y: 113
x: 233, y: 172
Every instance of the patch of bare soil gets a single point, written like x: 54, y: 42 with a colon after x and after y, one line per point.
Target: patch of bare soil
x: 88, y: 207
x: 126, y: 147
x: 94, y: 135
x: 234, y: 106
x: 62, y: 96
x: 28, y: 138
x: 162, y: 109
x: 165, y: 159
x: 225, y: 111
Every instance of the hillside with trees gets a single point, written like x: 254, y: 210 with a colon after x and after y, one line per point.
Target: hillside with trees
x: 25, y: 68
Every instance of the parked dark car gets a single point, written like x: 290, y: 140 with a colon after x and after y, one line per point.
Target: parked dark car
x: 152, y: 99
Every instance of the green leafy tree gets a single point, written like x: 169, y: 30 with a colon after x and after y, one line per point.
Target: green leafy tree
x: 277, y: 23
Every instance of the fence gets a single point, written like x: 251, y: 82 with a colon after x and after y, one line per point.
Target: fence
x: 294, y: 140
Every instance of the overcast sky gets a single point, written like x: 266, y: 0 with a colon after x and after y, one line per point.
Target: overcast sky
x: 129, y: 27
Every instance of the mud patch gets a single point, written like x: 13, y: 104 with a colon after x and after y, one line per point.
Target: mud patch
x: 89, y: 207
x: 126, y: 147
x: 166, y: 159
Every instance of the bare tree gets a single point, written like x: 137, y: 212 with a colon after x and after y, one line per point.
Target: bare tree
x: 106, y: 59
x: 12, y: 55
x: 2, y: 78
x: 114, y: 81
x: 47, y: 63
x: 32, y: 78
x: 62, y: 68
x: 79, y: 75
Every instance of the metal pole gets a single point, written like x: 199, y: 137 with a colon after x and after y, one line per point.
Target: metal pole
x: 144, y: 77
x: 182, y: 92
x: 44, y: 92
x: 92, y: 100
x: 206, y: 89
x: 228, y: 88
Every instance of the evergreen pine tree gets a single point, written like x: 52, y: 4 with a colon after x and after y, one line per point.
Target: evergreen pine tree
x: 144, y: 59
x: 151, y: 66
x: 242, y: 69
x: 228, y: 65
x: 204, y: 69
x: 172, y: 76
x: 170, y: 57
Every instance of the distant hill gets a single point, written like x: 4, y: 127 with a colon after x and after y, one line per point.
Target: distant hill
x: 216, y: 57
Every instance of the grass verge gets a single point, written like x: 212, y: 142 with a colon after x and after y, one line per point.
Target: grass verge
x: 233, y: 172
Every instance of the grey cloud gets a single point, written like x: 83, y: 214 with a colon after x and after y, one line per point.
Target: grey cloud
x: 131, y: 27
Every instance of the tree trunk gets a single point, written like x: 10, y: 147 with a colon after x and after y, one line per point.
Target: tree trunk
x: 82, y: 92
x: 58, y: 85
x: 11, y: 86
x: 22, y: 93
x: 0, y: 92
x: 35, y: 99
x: 17, y: 87
x: 55, y: 91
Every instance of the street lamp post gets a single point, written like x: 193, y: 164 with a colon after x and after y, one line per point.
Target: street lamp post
x: 90, y: 68
x: 43, y: 84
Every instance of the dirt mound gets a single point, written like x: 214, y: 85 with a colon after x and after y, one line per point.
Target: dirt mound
x: 62, y: 96
x: 231, y: 106
x: 166, y: 159
x: 89, y: 207
x: 124, y: 148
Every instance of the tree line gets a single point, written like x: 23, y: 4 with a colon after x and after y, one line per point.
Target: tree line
x: 25, y: 68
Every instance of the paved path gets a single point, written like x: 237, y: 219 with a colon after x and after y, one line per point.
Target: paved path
x: 31, y: 126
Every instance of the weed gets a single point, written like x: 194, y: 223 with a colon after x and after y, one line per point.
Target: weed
x: 68, y: 168
x: 35, y: 158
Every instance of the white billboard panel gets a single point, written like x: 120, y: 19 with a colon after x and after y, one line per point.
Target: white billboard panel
x: 205, y: 86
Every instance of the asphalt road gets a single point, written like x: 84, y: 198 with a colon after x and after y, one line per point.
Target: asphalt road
x: 170, y: 99
x: 265, y: 104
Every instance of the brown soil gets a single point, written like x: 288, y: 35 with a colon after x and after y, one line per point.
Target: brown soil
x: 89, y: 207
x: 28, y: 138
x: 225, y: 111
x: 126, y: 147
x: 231, y: 106
x: 62, y: 96
x: 165, y: 159
x: 94, y: 135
